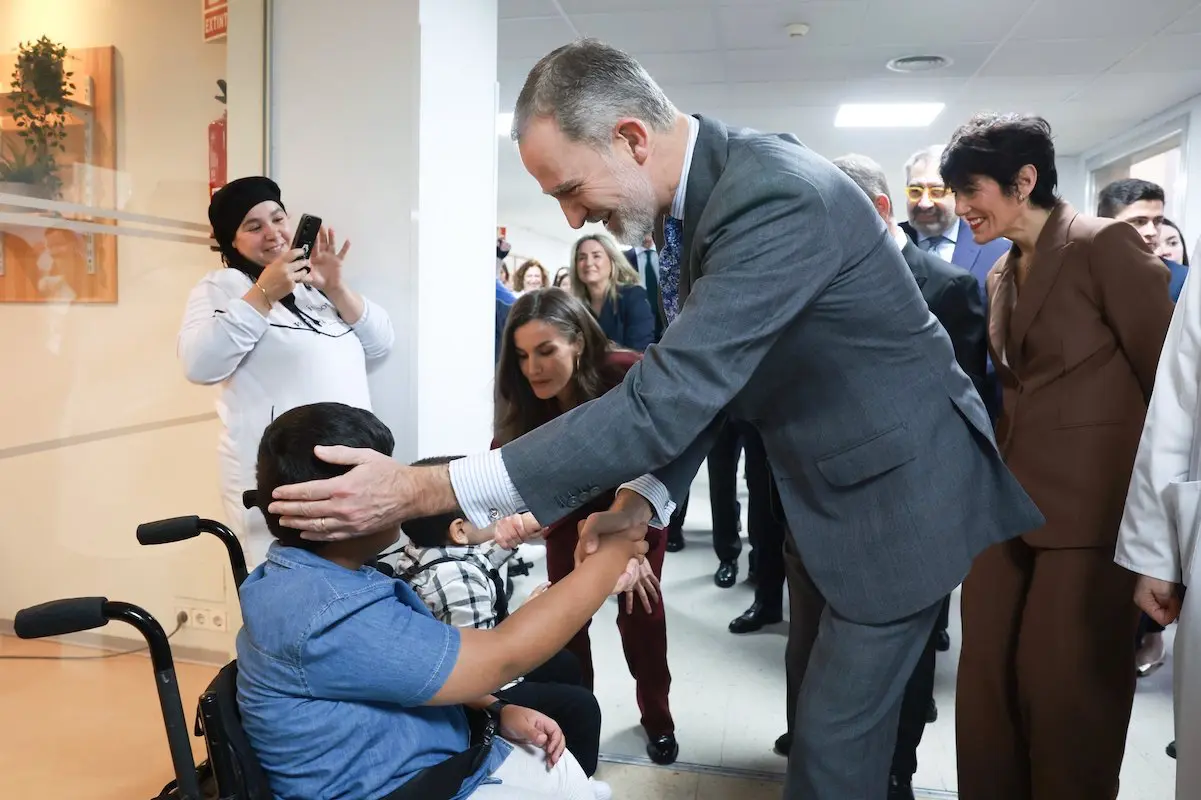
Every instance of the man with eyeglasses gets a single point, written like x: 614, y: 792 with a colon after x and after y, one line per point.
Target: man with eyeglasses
x: 934, y: 227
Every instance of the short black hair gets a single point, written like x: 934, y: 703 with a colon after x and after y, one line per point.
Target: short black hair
x: 431, y: 531
x: 997, y: 146
x: 286, y: 453
x: 1125, y: 193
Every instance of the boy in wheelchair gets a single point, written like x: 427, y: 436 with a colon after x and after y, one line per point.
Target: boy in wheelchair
x: 347, y: 685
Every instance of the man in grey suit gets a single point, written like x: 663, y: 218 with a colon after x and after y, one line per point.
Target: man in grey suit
x: 790, y: 308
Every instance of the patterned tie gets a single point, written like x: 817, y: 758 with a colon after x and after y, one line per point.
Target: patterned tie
x: 669, y: 267
x: 933, y: 242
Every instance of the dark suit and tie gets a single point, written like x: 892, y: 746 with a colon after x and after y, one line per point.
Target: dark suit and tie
x: 646, y: 263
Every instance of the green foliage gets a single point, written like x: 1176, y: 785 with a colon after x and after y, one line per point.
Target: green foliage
x: 40, y: 90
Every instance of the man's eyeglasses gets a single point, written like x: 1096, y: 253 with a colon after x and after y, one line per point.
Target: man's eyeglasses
x: 915, y: 192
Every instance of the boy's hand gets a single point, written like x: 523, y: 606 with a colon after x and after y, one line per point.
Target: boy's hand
x: 526, y: 726
x: 512, y: 531
x: 537, y: 591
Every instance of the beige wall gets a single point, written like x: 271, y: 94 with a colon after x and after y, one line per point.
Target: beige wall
x: 100, y: 431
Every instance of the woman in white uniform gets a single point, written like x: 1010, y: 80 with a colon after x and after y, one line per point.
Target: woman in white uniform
x: 1158, y: 538
x: 277, y: 331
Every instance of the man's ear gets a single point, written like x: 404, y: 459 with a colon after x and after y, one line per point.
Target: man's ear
x: 458, y: 532
x: 884, y: 206
x: 632, y: 134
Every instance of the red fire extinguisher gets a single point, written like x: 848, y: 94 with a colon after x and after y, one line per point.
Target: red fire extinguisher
x: 218, y: 151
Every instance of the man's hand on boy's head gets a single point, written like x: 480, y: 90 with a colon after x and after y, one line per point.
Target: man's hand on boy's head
x: 510, y: 532
x: 375, y: 493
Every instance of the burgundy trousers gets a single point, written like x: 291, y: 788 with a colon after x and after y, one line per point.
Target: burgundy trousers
x: 643, y: 635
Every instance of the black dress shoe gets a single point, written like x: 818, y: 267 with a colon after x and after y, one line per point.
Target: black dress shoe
x: 726, y: 575
x: 899, y: 789
x: 663, y: 749
x: 675, y: 545
x: 932, y: 712
x: 942, y: 641
x: 1172, y: 749
x: 755, y: 618
x: 783, y: 745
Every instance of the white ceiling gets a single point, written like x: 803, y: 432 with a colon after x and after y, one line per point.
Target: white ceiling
x: 1093, y: 68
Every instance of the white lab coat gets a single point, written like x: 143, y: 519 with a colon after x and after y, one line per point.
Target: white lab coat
x: 266, y: 366
x: 1159, y: 532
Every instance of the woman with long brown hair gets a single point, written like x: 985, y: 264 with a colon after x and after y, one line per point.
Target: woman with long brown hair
x: 554, y: 357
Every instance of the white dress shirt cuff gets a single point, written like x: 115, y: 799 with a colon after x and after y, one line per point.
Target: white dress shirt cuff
x: 657, y: 495
x: 483, y: 488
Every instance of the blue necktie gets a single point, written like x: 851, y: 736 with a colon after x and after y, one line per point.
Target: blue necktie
x: 933, y: 242
x: 669, y: 267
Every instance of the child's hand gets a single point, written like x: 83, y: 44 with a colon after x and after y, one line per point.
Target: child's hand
x: 537, y: 591
x: 512, y: 531
x: 526, y: 726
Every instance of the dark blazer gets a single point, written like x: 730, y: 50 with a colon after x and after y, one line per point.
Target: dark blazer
x: 954, y: 298
x: 977, y: 259
x: 653, y: 296
x: 629, y: 322
x: 799, y: 316
x: 1076, y: 352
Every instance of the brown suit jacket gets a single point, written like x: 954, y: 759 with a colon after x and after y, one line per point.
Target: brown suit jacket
x: 1076, y: 352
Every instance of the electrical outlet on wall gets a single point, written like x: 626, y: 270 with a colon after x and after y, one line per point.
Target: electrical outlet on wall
x: 206, y: 619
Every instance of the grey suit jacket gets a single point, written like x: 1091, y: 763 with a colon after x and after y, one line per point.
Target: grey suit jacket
x: 802, y: 319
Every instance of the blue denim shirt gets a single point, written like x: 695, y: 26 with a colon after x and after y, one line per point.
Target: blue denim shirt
x: 334, y: 667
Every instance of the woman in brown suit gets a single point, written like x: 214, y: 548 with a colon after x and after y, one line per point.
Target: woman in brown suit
x: 1078, y: 312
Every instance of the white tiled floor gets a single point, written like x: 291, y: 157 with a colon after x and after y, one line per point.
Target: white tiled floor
x: 728, y: 691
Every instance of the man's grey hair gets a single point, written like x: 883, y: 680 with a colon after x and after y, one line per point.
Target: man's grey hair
x: 586, y: 86
x: 923, y: 156
x: 866, y: 173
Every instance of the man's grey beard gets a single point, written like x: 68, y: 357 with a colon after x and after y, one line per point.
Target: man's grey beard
x: 634, y: 219
x: 631, y: 225
x: 941, y: 226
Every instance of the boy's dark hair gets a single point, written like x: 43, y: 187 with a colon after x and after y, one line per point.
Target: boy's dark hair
x: 286, y: 453
x: 431, y: 531
x: 1125, y: 193
x: 997, y: 146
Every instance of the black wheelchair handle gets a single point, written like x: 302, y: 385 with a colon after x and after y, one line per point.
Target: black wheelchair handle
x: 165, y: 531
x: 61, y: 616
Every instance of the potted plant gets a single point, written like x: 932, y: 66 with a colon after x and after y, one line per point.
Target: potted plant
x: 40, y: 90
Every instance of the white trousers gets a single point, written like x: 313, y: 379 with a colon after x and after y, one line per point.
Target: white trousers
x: 525, y: 776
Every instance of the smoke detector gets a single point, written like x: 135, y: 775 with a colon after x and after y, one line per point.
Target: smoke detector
x: 797, y: 30
x: 924, y: 63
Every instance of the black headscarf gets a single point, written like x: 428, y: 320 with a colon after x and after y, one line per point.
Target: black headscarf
x: 228, y: 208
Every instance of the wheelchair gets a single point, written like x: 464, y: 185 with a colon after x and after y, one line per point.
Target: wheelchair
x: 232, y: 771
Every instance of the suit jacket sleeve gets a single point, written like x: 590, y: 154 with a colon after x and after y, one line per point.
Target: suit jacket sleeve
x: 1133, y: 288
x: 637, y: 320
x: 1162, y: 503
x: 767, y: 247
x: 961, y: 311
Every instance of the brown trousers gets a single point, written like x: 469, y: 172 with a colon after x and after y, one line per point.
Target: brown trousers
x: 1046, y: 677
